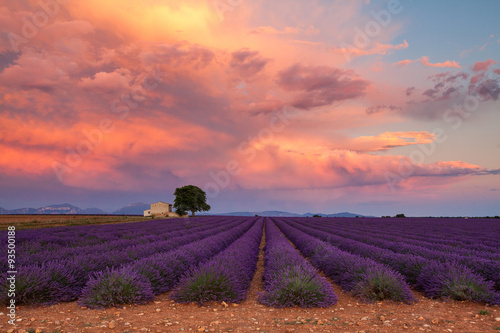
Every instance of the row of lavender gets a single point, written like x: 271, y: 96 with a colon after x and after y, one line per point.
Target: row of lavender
x: 289, y: 279
x: 443, y: 277
x: 486, y: 264
x: 474, y: 234
x: 63, y: 278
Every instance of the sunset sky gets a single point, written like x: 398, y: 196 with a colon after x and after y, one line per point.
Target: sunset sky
x: 372, y: 107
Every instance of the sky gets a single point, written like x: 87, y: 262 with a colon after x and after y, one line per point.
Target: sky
x: 371, y: 107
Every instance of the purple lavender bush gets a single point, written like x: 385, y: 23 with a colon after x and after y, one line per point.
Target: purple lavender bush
x: 212, y: 282
x: 44, y: 285
x: 378, y: 283
x: 113, y: 287
x: 451, y: 280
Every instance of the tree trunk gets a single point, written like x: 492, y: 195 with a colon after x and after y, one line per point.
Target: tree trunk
x: 192, y: 213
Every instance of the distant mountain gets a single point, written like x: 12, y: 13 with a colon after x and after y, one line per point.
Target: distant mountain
x: 277, y: 213
x: 4, y: 211
x: 54, y: 209
x: 136, y: 208
x: 343, y: 214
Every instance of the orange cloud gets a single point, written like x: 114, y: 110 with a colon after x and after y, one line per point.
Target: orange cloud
x: 114, y: 82
x: 275, y: 168
x: 425, y: 61
x: 377, y: 49
x: 404, y: 62
x: 286, y: 31
x: 389, y: 140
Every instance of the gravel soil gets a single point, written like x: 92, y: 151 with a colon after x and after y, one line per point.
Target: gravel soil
x: 348, y: 315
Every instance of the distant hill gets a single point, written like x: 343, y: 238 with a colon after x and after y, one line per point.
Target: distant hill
x: 278, y: 213
x: 54, y: 209
x: 4, y: 211
x: 136, y: 208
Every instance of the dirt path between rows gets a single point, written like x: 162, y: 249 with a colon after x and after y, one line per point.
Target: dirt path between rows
x: 348, y: 315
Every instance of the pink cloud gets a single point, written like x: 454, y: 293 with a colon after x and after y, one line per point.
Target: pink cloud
x: 404, y: 62
x: 379, y: 108
x: 377, y: 49
x: 425, y: 61
x: 483, y: 65
x: 42, y: 71
x: 114, y: 82
x: 276, y: 168
x: 320, y: 85
x: 311, y: 30
x: 247, y: 63
x: 178, y: 56
x: 388, y: 140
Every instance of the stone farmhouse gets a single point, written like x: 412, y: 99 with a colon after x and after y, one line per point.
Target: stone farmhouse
x: 160, y: 208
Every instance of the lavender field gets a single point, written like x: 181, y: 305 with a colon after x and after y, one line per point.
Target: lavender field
x: 214, y: 258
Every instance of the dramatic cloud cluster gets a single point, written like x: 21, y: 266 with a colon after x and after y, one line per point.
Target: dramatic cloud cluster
x: 120, y: 98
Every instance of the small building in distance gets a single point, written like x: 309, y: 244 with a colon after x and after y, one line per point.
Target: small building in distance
x: 160, y: 208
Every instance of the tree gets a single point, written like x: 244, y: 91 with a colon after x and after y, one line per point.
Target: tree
x: 190, y: 198
x: 400, y: 215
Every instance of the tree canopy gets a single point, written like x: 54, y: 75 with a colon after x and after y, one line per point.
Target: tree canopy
x: 190, y: 198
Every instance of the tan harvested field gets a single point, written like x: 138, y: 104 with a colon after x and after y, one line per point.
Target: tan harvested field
x: 47, y: 220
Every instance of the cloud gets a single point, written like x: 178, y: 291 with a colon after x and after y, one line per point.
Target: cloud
x: 178, y: 56
x: 409, y: 91
x: 320, y: 85
x: 34, y: 70
x: 425, y: 61
x: 480, y: 66
x: 377, y: 49
x: 114, y: 82
x: 450, y: 89
x: 270, y: 30
x: 379, y: 108
x: 389, y: 140
x: 405, y: 62
x: 458, y: 76
x: 276, y: 168
x: 247, y: 63
x: 307, y: 42
x: 487, y: 89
